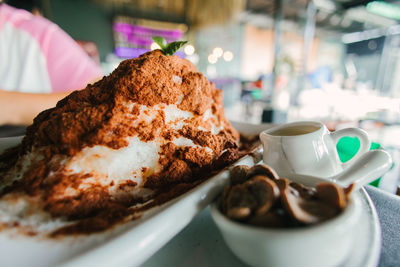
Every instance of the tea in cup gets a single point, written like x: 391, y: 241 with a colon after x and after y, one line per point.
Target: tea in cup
x: 308, y: 148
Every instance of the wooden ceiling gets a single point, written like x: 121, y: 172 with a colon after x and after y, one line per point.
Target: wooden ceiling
x: 199, y: 13
x: 338, y: 19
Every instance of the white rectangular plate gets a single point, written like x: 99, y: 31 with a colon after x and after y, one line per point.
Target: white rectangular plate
x: 129, y: 244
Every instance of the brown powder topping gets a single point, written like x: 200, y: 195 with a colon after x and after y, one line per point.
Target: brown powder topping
x: 106, y: 113
x: 91, y: 116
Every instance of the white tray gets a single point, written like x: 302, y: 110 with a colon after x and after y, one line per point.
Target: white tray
x: 129, y: 244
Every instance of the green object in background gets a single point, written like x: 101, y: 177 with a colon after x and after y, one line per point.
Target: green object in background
x: 256, y: 94
x: 347, y: 147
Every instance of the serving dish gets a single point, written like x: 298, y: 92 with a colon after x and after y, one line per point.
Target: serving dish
x: 128, y: 244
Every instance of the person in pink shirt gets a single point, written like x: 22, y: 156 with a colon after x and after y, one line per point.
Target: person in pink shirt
x: 39, y: 65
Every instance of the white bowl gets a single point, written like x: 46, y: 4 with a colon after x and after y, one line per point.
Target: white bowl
x: 323, y: 244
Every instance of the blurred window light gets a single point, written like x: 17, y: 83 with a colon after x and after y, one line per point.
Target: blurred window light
x: 327, y: 5
x: 394, y: 29
x: 384, y: 9
x: 189, y: 50
x: 154, y: 46
x: 335, y: 20
x: 211, y: 71
x: 321, y: 15
x: 362, y: 15
x: 362, y: 36
x: 212, y: 59
x: 193, y: 58
x: 228, y: 56
x: 346, y: 22
x: 218, y: 52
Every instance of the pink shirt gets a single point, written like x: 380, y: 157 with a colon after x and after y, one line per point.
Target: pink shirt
x: 37, y: 56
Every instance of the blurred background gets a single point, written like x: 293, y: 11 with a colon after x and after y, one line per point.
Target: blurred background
x: 276, y: 60
x: 337, y: 61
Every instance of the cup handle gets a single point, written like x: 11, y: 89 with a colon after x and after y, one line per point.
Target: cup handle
x: 365, y: 142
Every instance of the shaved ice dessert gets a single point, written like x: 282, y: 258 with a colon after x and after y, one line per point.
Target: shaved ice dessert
x: 153, y: 123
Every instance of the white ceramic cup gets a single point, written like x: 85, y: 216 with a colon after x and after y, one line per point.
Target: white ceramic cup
x: 308, y: 148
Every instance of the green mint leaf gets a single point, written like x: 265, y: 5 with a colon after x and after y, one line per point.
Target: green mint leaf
x: 160, y: 41
x: 171, y: 48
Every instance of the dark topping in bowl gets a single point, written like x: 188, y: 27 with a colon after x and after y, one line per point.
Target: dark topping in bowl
x: 239, y: 174
x: 258, y: 196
